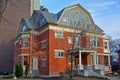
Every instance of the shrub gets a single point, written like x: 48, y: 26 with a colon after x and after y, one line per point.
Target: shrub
x: 26, y: 69
x: 19, y: 70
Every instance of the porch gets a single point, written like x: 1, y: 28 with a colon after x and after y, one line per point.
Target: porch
x: 87, y: 62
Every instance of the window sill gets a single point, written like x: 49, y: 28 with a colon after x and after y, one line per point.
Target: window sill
x: 59, y: 57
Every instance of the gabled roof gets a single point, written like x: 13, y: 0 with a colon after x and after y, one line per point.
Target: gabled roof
x: 54, y: 18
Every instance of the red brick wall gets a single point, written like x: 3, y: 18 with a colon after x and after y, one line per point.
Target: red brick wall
x: 44, y: 36
x: 60, y: 65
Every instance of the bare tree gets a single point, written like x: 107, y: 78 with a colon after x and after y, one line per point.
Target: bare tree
x: 3, y: 4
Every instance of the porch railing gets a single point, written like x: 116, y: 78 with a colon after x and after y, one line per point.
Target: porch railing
x: 90, y: 67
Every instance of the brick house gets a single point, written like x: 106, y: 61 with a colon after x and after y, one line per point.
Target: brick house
x: 9, y: 26
x: 70, y: 31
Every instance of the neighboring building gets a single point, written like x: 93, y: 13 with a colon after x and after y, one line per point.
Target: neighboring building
x: 118, y: 51
x: 55, y: 35
x: 9, y: 26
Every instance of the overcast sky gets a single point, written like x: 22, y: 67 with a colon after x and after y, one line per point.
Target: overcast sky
x: 105, y: 13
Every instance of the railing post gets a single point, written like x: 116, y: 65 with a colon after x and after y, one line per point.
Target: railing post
x: 79, y: 57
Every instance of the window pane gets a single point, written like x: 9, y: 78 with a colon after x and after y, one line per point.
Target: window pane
x: 70, y: 40
x: 98, y: 59
x: 59, y: 34
x: 106, y: 60
x: 25, y: 60
x: 105, y: 45
x: 94, y: 41
x: 59, y: 54
x: 25, y: 42
x: 92, y: 59
x: 79, y: 23
x: 91, y: 41
x: 77, y: 41
x: 64, y: 21
x: 88, y: 25
x: 98, y: 42
x: 43, y: 62
x: 44, y: 44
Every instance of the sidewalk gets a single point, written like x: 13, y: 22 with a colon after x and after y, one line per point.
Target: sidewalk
x: 114, y: 78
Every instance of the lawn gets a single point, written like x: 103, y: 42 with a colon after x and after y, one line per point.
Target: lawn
x: 84, y: 78
x: 87, y: 78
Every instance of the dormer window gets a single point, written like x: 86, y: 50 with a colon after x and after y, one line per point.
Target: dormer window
x: 88, y: 25
x: 42, y: 21
x: 75, y: 23
x: 24, y: 27
x: 64, y: 20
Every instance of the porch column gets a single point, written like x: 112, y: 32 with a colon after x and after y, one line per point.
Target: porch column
x: 109, y: 59
x: 79, y: 57
x: 95, y: 58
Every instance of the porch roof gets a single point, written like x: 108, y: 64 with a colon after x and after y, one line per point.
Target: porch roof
x: 85, y: 50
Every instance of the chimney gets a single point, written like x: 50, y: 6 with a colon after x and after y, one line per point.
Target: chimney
x: 45, y: 10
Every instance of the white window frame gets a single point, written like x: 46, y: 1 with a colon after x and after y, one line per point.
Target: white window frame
x: 94, y: 41
x: 88, y: 25
x: 77, y: 41
x: 59, y: 53
x: 44, y: 62
x: 44, y: 44
x: 65, y: 20
x: 92, y: 59
x: 106, y: 45
x: 70, y: 40
x: 25, y: 42
x: 98, y: 57
x: 59, y: 34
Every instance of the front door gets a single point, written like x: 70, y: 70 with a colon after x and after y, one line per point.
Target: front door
x: 76, y: 61
x: 35, y: 67
x: 35, y: 63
